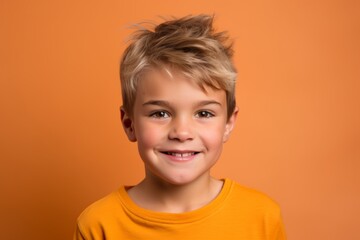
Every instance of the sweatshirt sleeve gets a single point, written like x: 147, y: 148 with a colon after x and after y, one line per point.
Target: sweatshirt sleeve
x: 77, y: 234
x: 279, y: 230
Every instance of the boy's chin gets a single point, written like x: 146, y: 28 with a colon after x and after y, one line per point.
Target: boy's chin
x: 181, y: 180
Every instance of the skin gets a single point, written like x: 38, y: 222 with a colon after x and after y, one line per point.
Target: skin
x: 180, y: 131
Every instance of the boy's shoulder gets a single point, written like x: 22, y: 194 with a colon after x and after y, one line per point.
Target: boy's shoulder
x: 251, y: 193
x: 100, y: 210
x: 254, y: 201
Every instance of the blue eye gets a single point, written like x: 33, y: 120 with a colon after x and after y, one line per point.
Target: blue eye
x: 204, y: 114
x: 159, y: 114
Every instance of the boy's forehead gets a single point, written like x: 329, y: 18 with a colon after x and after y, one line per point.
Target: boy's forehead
x: 173, y: 86
x: 159, y: 79
x: 171, y: 75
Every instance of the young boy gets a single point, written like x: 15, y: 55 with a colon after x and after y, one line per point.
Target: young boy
x: 178, y: 84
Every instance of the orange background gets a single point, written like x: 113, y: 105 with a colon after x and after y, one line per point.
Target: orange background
x: 296, y: 139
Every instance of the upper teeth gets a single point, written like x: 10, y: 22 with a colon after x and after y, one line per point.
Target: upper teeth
x: 181, y: 154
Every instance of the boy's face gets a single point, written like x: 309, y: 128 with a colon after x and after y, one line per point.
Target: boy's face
x: 180, y: 129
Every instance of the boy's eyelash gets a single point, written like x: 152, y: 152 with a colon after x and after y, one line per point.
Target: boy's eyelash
x: 159, y: 114
x: 205, y: 114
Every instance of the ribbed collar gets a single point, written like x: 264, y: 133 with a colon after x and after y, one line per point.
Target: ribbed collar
x: 142, y: 214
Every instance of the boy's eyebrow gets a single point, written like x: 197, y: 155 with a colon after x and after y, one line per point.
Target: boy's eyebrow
x: 208, y: 102
x: 157, y: 103
x: 167, y: 104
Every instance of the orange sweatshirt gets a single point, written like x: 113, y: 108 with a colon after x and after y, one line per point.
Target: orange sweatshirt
x: 236, y: 213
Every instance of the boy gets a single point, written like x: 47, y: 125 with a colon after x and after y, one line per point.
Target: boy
x: 178, y: 85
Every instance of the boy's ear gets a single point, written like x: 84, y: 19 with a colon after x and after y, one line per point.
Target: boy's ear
x: 128, y: 125
x: 230, y: 124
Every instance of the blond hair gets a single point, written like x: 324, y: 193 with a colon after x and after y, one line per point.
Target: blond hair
x: 189, y: 44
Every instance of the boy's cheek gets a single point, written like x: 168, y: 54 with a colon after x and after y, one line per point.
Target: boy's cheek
x: 148, y: 136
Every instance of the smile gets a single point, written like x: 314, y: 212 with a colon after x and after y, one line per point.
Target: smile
x: 180, y: 156
x: 177, y: 154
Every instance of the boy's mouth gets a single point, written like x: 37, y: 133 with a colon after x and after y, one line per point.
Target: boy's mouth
x: 181, y: 154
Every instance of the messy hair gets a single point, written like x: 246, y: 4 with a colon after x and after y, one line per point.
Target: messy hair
x: 189, y: 44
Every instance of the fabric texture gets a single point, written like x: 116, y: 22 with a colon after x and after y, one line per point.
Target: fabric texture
x: 236, y: 213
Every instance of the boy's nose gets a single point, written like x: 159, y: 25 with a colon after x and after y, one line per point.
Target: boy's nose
x: 181, y: 130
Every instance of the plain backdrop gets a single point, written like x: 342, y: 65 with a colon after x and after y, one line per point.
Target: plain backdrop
x: 297, y: 137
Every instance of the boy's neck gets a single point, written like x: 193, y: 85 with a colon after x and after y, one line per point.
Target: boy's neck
x: 157, y: 195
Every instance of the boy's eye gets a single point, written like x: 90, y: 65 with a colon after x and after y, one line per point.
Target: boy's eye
x: 159, y: 114
x: 204, y: 114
